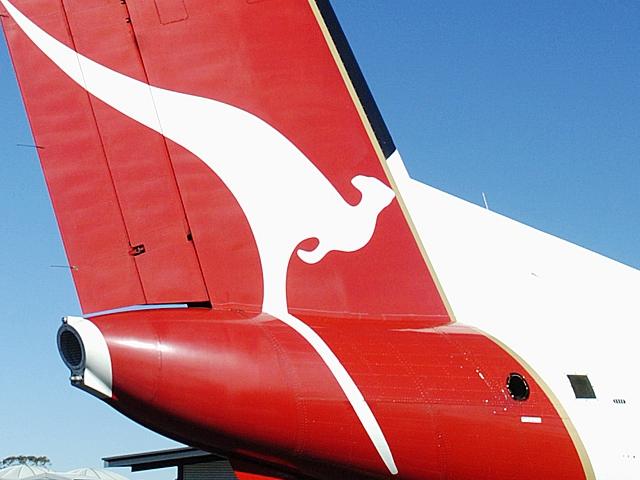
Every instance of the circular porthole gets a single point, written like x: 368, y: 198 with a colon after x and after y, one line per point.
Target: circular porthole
x: 518, y: 387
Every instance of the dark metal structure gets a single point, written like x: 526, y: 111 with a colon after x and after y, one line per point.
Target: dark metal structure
x: 192, y: 464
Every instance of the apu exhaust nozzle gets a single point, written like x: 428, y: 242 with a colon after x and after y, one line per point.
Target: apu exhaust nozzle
x: 84, y: 351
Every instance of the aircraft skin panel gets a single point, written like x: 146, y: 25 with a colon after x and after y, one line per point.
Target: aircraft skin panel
x: 518, y: 284
x: 287, y: 200
x: 81, y: 191
x: 252, y: 476
x: 140, y: 164
x: 308, y: 105
x: 259, y: 169
x: 437, y: 392
x: 110, y: 178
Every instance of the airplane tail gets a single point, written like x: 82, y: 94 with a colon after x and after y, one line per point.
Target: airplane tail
x: 225, y: 153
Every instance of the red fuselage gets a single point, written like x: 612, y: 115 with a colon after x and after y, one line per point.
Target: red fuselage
x: 249, y: 386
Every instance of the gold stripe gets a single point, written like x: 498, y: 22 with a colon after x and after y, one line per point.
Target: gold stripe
x: 555, y: 401
x: 378, y: 149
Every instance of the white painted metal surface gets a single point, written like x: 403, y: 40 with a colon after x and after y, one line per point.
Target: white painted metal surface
x: 562, y: 308
x: 97, y: 375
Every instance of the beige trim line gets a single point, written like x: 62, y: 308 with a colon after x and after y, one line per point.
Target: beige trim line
x: 589, y: 473
x: 374, y: 142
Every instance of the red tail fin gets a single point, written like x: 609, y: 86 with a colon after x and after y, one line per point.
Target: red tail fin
x: 225, y: 151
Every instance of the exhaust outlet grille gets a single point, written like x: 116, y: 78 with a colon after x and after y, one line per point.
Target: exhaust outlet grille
x: 71, y: 349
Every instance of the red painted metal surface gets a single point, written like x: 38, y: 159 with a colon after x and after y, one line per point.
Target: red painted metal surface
x: 236, y: 381
x: 269, y: 59
x: 139, y: 163
x: 252, y: 471
x: 77, y: 175
x: 280, y: 69
x: 253, y: 476
x: 248, y: 385
x: 110, y: 179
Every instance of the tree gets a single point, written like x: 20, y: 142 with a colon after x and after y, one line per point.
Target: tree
x: 25, y: 460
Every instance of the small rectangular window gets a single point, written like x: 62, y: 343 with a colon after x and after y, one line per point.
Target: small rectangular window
x: 581, y: 386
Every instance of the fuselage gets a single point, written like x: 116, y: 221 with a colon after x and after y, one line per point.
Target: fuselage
x: 439, y: 390
x: 340, y: 320
x: 564, y: 310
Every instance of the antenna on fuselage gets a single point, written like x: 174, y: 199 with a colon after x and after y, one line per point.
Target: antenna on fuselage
x: 484, y: 199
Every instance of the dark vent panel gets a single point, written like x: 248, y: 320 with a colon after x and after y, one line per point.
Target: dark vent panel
x: 70, y: 348
x: 218, y: 470
x: 581, y: 386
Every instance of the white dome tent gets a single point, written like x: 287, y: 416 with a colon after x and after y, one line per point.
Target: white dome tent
x: 26, y: 472
x: 21, y: 472
x: 93, y: 474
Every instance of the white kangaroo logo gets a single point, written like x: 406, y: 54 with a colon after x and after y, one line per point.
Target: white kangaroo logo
x: 284, y: 196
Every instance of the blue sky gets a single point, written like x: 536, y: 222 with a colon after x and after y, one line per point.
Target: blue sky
x: 537, y: 104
